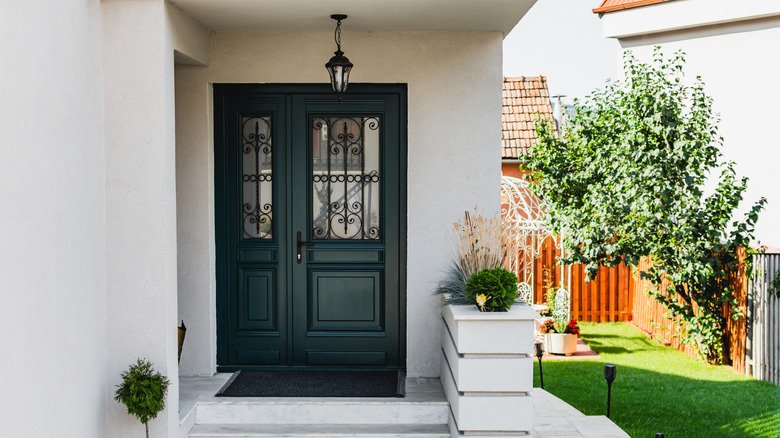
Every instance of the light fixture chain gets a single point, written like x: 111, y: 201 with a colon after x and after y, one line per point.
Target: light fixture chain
x: 337, y: 35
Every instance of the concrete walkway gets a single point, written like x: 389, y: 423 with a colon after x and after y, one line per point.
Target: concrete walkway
x: 552, y: 416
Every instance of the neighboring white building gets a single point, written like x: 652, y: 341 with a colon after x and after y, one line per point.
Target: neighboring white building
x: 110, y: 212
x: 732, y: 45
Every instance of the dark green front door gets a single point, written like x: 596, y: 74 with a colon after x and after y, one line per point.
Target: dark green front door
x: 310, y: 211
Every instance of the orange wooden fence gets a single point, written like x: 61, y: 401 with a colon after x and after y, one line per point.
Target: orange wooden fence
x: 617, y: 294
x: 651, y: 317
x: 608, y: 297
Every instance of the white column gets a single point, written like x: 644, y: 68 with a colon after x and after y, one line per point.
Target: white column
x: 140, y: 203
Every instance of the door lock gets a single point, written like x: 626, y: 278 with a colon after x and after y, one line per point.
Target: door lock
x: 301, y: 244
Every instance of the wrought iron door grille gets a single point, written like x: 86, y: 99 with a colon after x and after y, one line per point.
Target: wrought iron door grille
x: 345, y: 178
x: 257, y: 178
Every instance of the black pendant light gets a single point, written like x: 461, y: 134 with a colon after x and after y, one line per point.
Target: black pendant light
x: 339, y: 65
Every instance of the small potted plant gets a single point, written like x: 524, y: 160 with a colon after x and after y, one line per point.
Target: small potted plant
x: 143, y: 391
x: 560, y: 338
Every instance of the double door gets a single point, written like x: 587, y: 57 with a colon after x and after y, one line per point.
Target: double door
x: 309, y: 208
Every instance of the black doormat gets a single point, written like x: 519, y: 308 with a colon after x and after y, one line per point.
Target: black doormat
x: 314, y: 384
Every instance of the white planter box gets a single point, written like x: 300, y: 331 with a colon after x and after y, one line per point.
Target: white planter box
x: 487, y: 372
x: 488, y: 411
x: 491, y: 332
x: 487, y: 368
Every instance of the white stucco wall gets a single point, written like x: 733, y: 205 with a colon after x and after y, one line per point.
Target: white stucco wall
x: 734, y: 58
x: 139, y: 41
x: 52, y: 245
x: 454, y: 109
x: 687, y: 14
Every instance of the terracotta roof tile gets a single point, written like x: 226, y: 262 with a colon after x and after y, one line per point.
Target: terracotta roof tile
x: 524, y: 97
x: 615, y: 5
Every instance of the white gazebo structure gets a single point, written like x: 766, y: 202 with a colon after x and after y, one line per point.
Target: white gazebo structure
x: 523, y: 216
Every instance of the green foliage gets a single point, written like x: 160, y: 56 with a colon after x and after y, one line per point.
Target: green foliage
x: 142, y: 390
x: 549, y: 288
x: 626, y: 180
x: 498, y: 284
x: 774, y: 285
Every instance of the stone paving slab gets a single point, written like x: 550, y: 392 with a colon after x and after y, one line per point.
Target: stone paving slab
x: 554, y: 417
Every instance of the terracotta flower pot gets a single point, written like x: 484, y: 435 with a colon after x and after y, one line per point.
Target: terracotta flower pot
x: 561, y: 343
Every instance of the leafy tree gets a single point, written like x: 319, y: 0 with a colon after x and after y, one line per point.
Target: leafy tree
x: 626, y: 180
x: 143, y: 391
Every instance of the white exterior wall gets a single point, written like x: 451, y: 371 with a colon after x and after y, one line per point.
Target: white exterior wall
x: 140, y: 40
x: 140, y: 203
x: 454, y: 111
x: 52, y: 244
x: 731, y: 47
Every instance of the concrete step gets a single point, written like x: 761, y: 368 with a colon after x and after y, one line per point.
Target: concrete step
x: 292, y: 411
x: 320, y: 430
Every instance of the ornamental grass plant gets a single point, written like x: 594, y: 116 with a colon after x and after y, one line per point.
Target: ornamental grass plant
x: 478, y: 245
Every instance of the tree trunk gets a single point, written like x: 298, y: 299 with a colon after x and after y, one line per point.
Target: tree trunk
x: 725, y: 338
x: 147, y: 429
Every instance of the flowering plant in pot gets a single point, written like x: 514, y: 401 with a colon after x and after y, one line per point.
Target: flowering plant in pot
x: 560, y: 338
x: 551, y: 326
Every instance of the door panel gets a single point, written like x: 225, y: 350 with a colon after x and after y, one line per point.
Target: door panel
x: 345, y: 301
x: 309, y: 221
x: 257, y: 298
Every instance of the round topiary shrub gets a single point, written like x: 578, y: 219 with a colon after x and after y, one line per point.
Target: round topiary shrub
x: 497, y: 287
x: 142, y: 391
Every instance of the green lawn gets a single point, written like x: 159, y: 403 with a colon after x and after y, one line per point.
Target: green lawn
x: 658, y: 389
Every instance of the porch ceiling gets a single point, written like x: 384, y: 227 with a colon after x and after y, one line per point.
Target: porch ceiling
x: 364, y: 15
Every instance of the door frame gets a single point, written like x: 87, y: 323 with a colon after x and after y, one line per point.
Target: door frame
x: 356, y: 91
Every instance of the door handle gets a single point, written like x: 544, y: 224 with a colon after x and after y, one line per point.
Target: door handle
x: 301, y: 244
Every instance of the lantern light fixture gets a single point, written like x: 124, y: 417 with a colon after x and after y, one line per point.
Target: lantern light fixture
x: 339, y: 65
x: 539, y: 354
x: 609, y: 374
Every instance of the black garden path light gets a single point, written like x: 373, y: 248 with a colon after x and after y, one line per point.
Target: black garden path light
x: 539, y: 354
x: 339, y: 65
x: 609, y: 375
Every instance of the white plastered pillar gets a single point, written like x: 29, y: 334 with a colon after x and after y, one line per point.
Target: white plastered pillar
x: 140, y: 203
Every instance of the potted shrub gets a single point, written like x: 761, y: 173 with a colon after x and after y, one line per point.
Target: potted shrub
x: 143, y: 391
x: 560, y: 338
x: 492, y: 290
